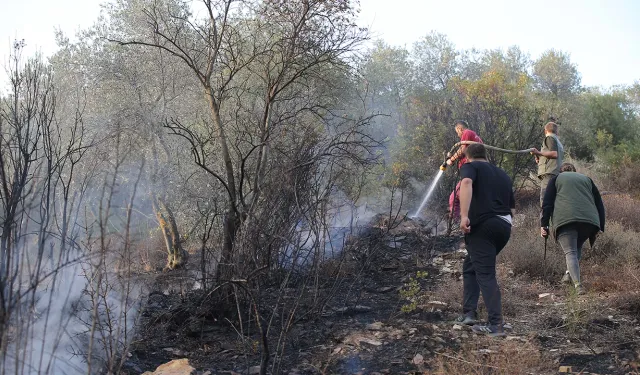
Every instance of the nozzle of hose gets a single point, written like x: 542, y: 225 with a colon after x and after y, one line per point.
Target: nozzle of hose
x: 443, y: 166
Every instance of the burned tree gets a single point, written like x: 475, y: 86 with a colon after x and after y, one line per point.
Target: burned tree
x: 40, y: 194
x: 251, y: 61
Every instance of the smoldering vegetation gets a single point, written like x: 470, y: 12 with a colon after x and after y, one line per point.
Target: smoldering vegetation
x: 239, y: 164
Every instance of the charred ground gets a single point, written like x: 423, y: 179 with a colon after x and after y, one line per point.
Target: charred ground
x: 390, y: 310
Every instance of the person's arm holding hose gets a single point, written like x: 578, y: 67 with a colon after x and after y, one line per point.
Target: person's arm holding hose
x: 553, y: 154
x: 456, y: 155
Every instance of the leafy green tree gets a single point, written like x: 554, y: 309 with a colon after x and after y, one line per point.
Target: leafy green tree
x: 554, y: 73
x: 503, y: 115
x: 513, y: 63
x: 611, y: 113
x: 436, y: 61
x: 386, y: 72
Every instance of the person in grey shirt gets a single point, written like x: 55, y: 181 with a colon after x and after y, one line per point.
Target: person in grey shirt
x: 549, y: 158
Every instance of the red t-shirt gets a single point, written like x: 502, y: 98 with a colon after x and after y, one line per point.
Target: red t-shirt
x: 468, y: 135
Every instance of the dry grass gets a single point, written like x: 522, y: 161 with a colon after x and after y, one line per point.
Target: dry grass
x: 518, y: 292
x: 610, y: 272
x: 625, y: 178
x: 617, y: 179
x: 623, y: 209
x: 151, y: 252
x: 524, y: 254
x: 616, y: 249
x: 612, y: 264
x: 490, y: 356
x: 526, y: 198
x: 617, y: 244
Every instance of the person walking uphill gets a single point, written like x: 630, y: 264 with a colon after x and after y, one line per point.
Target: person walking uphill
x: 486, y: 209
x: 549, y: 158
x: 573, y: 205
x: 465, y: 134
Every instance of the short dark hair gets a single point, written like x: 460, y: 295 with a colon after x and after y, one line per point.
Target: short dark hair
x: 461, y: 123
x: 567, y: 167
x: 476, y: 151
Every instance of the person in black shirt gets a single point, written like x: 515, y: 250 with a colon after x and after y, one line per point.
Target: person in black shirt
x: 486, y: 211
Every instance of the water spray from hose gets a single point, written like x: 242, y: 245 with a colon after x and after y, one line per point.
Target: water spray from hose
x: 429, y: 192
x: 444, y: 165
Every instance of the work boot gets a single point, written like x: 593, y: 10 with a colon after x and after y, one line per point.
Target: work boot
x: 580, y: 290
x: 566, y: 279
x: 469, y: 319
x: 492, y: 330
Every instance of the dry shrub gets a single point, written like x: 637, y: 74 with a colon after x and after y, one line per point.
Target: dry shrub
x: 525, y: 251
x: 599, y: 278
x: 616, y: 245
x: 338, y: 268
x: 526, y: 198
x: 623, y: 209
x: 491, y: 356
x: 612, y: 263
x: 625, y: 178
x: 151, y: 251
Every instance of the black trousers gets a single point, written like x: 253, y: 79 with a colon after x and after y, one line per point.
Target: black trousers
x: 484, y: 243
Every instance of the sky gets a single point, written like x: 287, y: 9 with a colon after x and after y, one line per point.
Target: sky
x: 602, y: 37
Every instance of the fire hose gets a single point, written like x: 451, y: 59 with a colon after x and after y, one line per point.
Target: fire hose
x: 455, y: 146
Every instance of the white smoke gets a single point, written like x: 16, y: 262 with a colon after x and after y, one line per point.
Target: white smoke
x: 54, y: 334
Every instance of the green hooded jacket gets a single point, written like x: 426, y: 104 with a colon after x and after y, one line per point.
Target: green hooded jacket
x: 572, y: 197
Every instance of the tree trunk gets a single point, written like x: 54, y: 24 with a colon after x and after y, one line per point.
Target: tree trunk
x: 226, y: 157
x: 231, y: 225
x: 232, y: 219
x: 169, y: 228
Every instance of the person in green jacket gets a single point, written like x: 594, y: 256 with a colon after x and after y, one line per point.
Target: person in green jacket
x: 573, y: 206
x: 549, y: 158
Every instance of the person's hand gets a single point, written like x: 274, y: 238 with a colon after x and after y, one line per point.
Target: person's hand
x: 465, y: 224
x: 536, y: 153
x: 449, y: 162
x: 544, y: 232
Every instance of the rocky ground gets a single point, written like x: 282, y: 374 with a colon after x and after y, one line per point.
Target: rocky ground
x: 397, y: 318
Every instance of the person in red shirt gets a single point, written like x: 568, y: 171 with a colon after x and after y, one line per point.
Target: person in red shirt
x: 465, y: 134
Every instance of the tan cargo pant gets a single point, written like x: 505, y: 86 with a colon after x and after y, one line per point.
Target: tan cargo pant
x: 544, y: 181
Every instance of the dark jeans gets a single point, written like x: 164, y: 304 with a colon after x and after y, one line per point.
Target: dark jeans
x: 479, y: 269
x: 571, y: 237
